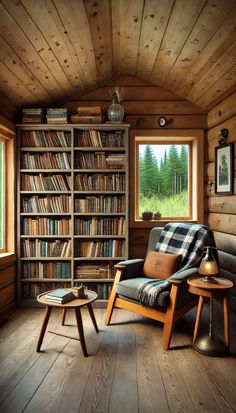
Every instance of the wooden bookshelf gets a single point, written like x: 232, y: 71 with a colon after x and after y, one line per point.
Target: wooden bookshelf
x: 72, y: 207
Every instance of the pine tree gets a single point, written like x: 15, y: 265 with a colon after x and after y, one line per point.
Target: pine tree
x: 148, y: 172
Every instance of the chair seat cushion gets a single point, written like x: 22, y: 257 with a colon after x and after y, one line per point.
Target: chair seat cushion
x: 129, y: 288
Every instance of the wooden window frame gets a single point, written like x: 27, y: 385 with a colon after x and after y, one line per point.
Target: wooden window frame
x: 3, y: 213
x: 7, y: 136
x: 195, y: 139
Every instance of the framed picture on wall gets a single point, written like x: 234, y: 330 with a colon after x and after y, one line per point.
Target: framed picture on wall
x: 224, y: 169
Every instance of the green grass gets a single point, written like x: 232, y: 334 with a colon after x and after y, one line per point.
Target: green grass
x: 175, y: 206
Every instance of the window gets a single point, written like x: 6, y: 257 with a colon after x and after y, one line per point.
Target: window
x: 166, y: 175
x: 2, y: 196
x: 7, y: 191
x: 163, y: 179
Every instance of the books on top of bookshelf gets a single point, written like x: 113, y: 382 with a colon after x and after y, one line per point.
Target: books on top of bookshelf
x: 32, y: 115
x: 60, y: 296
x: 57, y: 115
x: 87, y: 114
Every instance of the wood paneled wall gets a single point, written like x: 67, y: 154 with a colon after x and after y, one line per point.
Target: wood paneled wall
x: 144, y: 103
x: 7, y: 282
x: 220, y: 210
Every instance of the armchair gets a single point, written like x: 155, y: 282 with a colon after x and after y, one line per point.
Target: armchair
x: 172, y: 300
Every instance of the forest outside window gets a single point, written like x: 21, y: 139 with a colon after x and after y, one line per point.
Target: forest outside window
x: 163, y: 184
x: 166, y: 176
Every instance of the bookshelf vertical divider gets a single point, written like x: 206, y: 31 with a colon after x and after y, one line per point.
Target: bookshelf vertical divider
x: 72, y: 206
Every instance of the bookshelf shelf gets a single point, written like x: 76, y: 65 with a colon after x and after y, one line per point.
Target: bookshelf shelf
x: 53, y: 214
x: 46, y: 192
x: 38, y: 171
x: 45, y: 258
x: 46, y: 236
x: 99, y: 148
x: 73, y: 186
x: 86, y: 258
x: 45, y: 149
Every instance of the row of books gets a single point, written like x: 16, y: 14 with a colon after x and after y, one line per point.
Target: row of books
x: 92, y: 270
x: 99, y: 160
x: 44, y: 182
x: 100, y: 182
x: 101, y: 203
x: 48, y: 160
x: 46, y: 226
x: 100, y: 226
x: 95, y: 138
x: 103, y: 290
x: 62, y: 204
x: 33, y: 289
x: 108, y: 248
x: 41, y: 248
x: 46, y: 204
x: 45, y: 139
x: 35, y: 269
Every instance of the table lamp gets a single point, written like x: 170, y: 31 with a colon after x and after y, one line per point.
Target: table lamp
x: 208, y: 267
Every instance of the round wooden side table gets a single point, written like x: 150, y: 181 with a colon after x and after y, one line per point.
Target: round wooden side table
x: 218, y: 288
x: 75, y: 304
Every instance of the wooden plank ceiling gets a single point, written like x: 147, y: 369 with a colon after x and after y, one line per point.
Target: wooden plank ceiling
x: 52, y: 50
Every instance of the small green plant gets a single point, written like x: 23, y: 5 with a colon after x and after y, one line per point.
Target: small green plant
x: 147, y: 215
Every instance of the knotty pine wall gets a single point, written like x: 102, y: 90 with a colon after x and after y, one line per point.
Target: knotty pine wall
x: 144, y: 104
x: 220, y: 211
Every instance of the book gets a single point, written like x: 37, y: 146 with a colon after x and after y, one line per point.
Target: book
x: 60, y: 296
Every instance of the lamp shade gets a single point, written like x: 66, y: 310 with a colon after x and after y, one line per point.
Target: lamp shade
x: 208, y: 266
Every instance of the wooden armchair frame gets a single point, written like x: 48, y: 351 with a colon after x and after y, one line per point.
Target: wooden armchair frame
x: 169, y: 317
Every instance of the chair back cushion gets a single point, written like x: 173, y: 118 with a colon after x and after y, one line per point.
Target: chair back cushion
x: 160, y: 265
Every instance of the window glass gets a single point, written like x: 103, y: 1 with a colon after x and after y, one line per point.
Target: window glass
x: 2, y: 189
x: 163, y: 179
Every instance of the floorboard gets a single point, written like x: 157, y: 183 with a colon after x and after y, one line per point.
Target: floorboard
x: 126, y: 370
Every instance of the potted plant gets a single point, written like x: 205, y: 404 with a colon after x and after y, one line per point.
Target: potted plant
x: 147, y: 215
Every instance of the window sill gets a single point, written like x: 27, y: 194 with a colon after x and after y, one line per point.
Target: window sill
x: 139, y: 223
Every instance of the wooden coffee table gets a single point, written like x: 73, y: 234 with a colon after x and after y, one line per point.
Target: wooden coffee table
x: 75, y: 304
x: 218, y: 288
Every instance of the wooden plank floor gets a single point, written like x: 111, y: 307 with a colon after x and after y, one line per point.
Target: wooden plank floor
x: 126, y: 371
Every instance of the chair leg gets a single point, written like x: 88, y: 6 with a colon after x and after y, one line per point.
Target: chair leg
x: 169, y: 320
x: 111, y: 305
x: 113, y: 295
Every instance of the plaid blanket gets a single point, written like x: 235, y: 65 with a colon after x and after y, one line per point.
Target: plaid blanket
x: 177, y: 238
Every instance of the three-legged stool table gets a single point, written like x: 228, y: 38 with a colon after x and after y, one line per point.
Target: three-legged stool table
x: 75, y: 304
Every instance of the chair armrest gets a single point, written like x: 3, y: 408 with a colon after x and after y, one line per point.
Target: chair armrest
x: 175, y: 282
x: 130, y: 268
x: 185, y: 274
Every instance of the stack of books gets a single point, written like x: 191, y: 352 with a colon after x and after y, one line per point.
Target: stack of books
x: 115, y: 161
x: 57, y: 115
x: 33, y: 115
x: 87, y: 114
x: 60, y: 296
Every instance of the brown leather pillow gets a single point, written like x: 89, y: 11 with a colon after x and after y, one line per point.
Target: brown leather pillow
x: 160, y: 265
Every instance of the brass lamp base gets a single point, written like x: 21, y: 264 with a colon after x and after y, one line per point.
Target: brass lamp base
x: 210, y: 346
